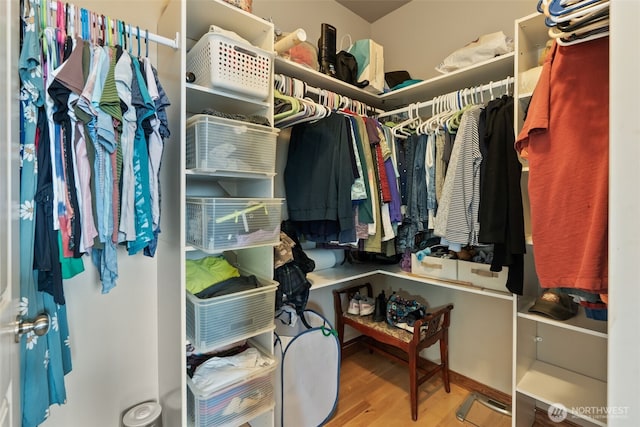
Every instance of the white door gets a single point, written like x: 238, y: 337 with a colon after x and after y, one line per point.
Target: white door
x: 9, y: 200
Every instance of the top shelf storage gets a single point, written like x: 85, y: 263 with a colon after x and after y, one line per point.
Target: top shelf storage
x: 255, y: 29
x: 484, y: 72
x: 491, y: 70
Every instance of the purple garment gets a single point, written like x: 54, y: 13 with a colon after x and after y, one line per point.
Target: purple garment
x: 394, y: 205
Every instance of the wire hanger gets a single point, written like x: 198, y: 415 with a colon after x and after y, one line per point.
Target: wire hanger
x: 138, y: 39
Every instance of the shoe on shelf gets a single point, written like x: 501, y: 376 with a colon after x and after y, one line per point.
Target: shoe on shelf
x: 367, y: 305
x: 380, y: 312
x: 354, y: 305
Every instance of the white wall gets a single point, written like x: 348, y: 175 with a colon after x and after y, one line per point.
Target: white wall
x: 114, y: 337
x: 289, y: 15
x: 419, y: 35
x: 416, y: 37
x: 624, y: 239
x: 113, y: 345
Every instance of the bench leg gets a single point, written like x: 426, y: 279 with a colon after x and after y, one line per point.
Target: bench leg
x: 413, y: 382
x: 444, y: 357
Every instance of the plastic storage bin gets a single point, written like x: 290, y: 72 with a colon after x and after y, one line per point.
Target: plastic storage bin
x: 217, y: 144
x: 218, y: 224
x: 221, y: 63
x: 218, y: 321
x: 233, y: 405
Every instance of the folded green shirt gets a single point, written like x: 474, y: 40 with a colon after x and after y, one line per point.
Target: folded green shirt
x: 204, y: 272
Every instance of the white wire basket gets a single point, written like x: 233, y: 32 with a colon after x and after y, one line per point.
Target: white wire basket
x: 221, y: 63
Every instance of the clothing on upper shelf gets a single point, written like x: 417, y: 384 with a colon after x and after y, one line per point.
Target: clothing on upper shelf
x: 566, y: 140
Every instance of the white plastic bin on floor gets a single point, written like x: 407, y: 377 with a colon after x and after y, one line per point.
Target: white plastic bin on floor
x: 147, y: 414
x: 309, y: 371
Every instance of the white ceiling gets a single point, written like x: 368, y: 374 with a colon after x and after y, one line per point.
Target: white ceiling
x: 372, y: 10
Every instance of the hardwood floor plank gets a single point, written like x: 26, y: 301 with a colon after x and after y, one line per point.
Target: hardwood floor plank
x: 374, y: 393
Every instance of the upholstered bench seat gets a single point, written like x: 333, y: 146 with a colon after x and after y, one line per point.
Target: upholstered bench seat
x: 430, y: 329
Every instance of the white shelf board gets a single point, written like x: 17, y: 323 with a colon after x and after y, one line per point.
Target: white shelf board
x: 348, y: 272
x: 323, y: 81
x: 580, y: 323
x: 459, y: 286
x: 206, y: 174
x: 200, y: 98
x: 343, y: 273
x: 484, y: 72
x: 550, y: 384
x: 525, y: 96
x: 493, y: 69
x: 202, y: 13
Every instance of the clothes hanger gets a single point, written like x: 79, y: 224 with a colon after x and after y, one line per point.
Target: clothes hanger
x: 580, y: 13
x: 415, y: 124
x: 576, y: 24
x: 398, y: 130
x: 452, y: 108
x: 599, y: 26
x: 423, y: 129
x: 130, y: 33
x: 295, y: 105
x: 558, y: 9
x: 585, y: 38
x: 138, y: 40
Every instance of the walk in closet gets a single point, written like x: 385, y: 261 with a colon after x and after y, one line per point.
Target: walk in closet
x: 130, y: 346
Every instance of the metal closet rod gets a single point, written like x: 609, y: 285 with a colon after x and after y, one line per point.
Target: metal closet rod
x: 133, y: 31
x: 308, y: 89
x: 317, y: 91
x: 474, y: 90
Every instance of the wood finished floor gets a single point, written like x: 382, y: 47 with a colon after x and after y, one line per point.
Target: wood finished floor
x: 374, y: 393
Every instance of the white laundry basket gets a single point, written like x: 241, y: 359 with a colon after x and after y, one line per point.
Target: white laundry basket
x: 309, y: 371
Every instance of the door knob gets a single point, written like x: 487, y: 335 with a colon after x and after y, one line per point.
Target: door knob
x: 39, y: 326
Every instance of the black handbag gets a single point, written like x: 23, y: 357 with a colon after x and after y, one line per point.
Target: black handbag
x: 347, y: 69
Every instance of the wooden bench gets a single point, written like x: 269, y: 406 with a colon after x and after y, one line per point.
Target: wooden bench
x: 395, y: 343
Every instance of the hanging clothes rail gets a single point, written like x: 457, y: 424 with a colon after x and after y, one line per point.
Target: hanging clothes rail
x: 294, y: 87
x: 130, y: 29
x: 473, y: 91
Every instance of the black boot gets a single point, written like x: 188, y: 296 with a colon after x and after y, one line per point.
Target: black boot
x: 380, y: 312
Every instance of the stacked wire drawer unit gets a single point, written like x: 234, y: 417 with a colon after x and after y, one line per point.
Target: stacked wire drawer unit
x: 218, y: 321
x: 233, y: 403
x: 218, y: 145
x: 227, y: 146
x: 219, y: 224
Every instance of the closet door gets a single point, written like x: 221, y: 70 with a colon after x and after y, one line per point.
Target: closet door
x: 9, y: 281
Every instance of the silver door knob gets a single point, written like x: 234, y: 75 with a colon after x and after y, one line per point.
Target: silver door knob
x: 39, y: 326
